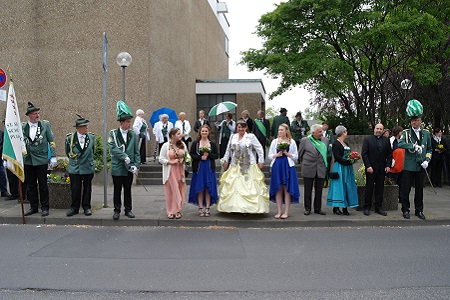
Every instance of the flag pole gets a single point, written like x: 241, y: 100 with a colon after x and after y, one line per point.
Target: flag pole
x: 21, y: 200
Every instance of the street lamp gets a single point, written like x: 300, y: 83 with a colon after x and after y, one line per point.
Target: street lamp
x: 405, y: 85
x: 123, y: 60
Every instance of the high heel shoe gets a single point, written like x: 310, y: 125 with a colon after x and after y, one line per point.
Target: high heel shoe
x: 345, y: 211
x: 337, y: 211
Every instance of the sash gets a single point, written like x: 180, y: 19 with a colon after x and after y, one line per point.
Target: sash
x: 320, y: 146
x: 261, y: 127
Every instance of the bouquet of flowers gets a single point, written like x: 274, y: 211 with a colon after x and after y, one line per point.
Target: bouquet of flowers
x: 205, y: 150
x: 187, y: 159
x: 283, y: 146
x: 353, y: 157
x: 440, y: 148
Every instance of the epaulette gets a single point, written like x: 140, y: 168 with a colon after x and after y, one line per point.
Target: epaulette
x: 68, y: 134
x: 45, y: 121
x: 426, y: 130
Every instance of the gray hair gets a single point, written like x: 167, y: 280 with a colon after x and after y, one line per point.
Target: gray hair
x: 315, y: 127
x: 139, y: 111
x: 340, y: 130
x: 162, y: 116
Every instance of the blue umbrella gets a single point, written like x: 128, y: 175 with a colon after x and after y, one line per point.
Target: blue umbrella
x: 163, y: 110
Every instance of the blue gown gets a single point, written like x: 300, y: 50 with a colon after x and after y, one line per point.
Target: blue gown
x: 342, y: 191
x: 205, y: 178
x: 283, y: 174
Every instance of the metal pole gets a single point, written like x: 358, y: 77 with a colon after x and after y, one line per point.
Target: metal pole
x: 123, y: 84
x: 105, y: 167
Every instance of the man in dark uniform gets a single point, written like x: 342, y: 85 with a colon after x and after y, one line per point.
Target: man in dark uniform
x: 80, y: 151
x: 39, y: 141
x: 377, y: 157
x: 125, y: 160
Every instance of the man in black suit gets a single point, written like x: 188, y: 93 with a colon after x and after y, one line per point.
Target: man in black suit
x: 245, y: 115
x: 377, y: 157
x: 261, y: 129
x: 201, y: 121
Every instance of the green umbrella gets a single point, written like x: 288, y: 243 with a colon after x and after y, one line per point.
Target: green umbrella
x: 221, y: 108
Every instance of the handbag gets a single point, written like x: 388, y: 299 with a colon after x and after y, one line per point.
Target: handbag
x: 334, y: 175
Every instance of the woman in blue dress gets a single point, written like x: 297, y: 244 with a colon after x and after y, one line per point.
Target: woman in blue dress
x: 283, y: 179
x: 204, y: 180
x: 342, y: 191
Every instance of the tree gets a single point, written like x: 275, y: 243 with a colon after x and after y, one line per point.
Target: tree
x: 352, y: 53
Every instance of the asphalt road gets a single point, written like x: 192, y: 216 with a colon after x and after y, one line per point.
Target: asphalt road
x: 55, y: 262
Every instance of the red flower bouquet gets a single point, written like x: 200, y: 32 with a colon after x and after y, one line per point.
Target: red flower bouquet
x: 353, y: 156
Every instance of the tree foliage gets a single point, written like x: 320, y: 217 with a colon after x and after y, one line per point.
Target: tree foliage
x: 354, y: 53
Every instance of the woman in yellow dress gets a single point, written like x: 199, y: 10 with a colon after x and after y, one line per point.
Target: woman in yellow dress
x: 242, y: 188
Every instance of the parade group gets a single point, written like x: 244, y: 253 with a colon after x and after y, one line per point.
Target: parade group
x: 184, y: 151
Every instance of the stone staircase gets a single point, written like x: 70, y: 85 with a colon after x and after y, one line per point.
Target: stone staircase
x: 151, y: 173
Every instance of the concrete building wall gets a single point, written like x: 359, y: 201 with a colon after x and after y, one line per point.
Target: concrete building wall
x: 54, y: 50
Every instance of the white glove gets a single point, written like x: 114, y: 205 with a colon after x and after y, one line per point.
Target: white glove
x: 418, y: 149
x: 393, y: 163
x: 133, y: 169
x: 53, y: 162
x: 127, y: 160
x: 5, y: 164
x: 424, y: 164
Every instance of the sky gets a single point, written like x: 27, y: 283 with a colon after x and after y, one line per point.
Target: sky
x: 243, y: 16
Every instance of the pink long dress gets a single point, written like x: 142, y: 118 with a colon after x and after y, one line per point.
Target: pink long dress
x: 175, y: 186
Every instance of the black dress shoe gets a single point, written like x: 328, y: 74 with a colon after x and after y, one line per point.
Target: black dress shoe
x: 31, y: 212
x: 320, y: 212
x: 11, y: 198
x: 420, y: 215
x: 337, y: 211
x: 345, y: 211
x: 381, y: 212
x: 307, y: 212
x: 129, y: 214
x: 406, y: 215
x: 6, y: 194
x: 44, y: 212
x: 366, y: 212
x: 88, y: 212
x: 116, y: 216
x: 72, y: 212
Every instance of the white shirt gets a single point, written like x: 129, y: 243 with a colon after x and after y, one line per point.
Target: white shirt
x: 81, y: 139
x: 417, y: 131
x: 124, y: 134
x: 33, y: 129
x: 187, y: 127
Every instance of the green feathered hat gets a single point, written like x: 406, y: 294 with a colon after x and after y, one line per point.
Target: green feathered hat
x: 81, y: 121
x: 123, y: 111
x: 31, y: 108
x: 414, y: 109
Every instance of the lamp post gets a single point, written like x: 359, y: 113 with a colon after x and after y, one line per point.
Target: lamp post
x: 405, y: 85
x: 124, y: 60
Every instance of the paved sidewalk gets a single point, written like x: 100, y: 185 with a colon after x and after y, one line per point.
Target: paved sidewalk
x: 149, y: 208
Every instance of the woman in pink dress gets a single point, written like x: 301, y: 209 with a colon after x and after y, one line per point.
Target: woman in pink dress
x: 172, y: 157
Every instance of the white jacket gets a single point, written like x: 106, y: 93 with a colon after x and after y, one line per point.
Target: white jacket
x: 164, y: 160
x: 158, y: 133
x: 292, y: 150
x: 248, y: 143
x: 187, y: 127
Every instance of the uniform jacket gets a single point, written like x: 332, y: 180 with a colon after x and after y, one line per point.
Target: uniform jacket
x: 310, y: 158
x: 374, y: 157
x: 277, y: 121
x: 412, y: 158
x: 119, y: 150
x: 297, y: 135
x: 329, y: 135
x: 81, y: 160
x: 37, y: 149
